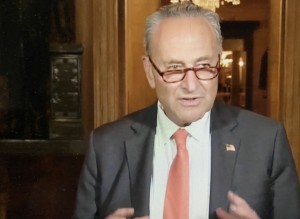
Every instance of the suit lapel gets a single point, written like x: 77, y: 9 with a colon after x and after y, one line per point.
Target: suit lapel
x: 224, y: 149
x: 139, y: 153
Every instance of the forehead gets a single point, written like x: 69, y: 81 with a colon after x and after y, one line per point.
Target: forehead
x: 183, y: 34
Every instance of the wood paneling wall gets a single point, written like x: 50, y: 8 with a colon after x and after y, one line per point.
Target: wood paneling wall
x: 291, y: 76
x: 113, y: 80
x: 138, y: 92
x: 284, y: 65
x: 106, y: 62
x: 84, y: 36
x: 99, y: 27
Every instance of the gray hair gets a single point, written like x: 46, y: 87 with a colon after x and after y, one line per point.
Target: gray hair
x: 181, y: 9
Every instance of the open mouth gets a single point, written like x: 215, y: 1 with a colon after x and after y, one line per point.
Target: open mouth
x: 190, y: 101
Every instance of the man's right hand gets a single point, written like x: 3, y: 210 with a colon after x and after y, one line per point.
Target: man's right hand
x: 238, y: 209
x: 124, y: 213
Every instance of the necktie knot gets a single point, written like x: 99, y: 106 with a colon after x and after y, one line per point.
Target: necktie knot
x: 180, y: 138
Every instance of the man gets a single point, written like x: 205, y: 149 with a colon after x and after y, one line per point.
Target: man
x: 239, y: 163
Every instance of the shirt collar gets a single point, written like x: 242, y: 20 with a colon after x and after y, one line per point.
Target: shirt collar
x: 167, y: 128
x: 165, y: 125
x: 198, y: 128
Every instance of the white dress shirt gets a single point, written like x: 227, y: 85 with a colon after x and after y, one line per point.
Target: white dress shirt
x: 198, y: 145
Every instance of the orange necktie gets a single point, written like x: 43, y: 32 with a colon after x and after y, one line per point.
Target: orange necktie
x: 177, y: 193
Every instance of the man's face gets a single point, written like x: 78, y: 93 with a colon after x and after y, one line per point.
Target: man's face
x: 183, y: 42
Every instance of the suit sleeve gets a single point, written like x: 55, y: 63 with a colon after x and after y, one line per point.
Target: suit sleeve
x: 86, y: 206
x: 285, y: 184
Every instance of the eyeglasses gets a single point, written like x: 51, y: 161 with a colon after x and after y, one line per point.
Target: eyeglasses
x: 204, y: 73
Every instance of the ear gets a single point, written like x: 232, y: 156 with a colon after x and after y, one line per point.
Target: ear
x: 149, y: 71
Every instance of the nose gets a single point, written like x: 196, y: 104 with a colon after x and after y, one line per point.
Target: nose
x: 190, y: 81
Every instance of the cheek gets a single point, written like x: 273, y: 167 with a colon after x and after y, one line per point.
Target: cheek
x: 165, y: 93
x: 212, y: 88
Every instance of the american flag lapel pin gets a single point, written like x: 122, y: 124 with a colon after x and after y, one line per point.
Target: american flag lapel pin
x: 230, y: 147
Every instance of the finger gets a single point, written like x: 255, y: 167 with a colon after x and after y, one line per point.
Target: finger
x: 121, y: 213
x: 235, y: 199
x: 124, y: 212
x: 236, y: 203
x: 240, y: 208
x: 224, y: 215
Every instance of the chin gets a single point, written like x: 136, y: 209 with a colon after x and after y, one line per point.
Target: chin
x: 190, y: 119
x: 196, y: 118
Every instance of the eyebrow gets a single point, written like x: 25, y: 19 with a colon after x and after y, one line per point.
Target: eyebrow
x: 174, y: 61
